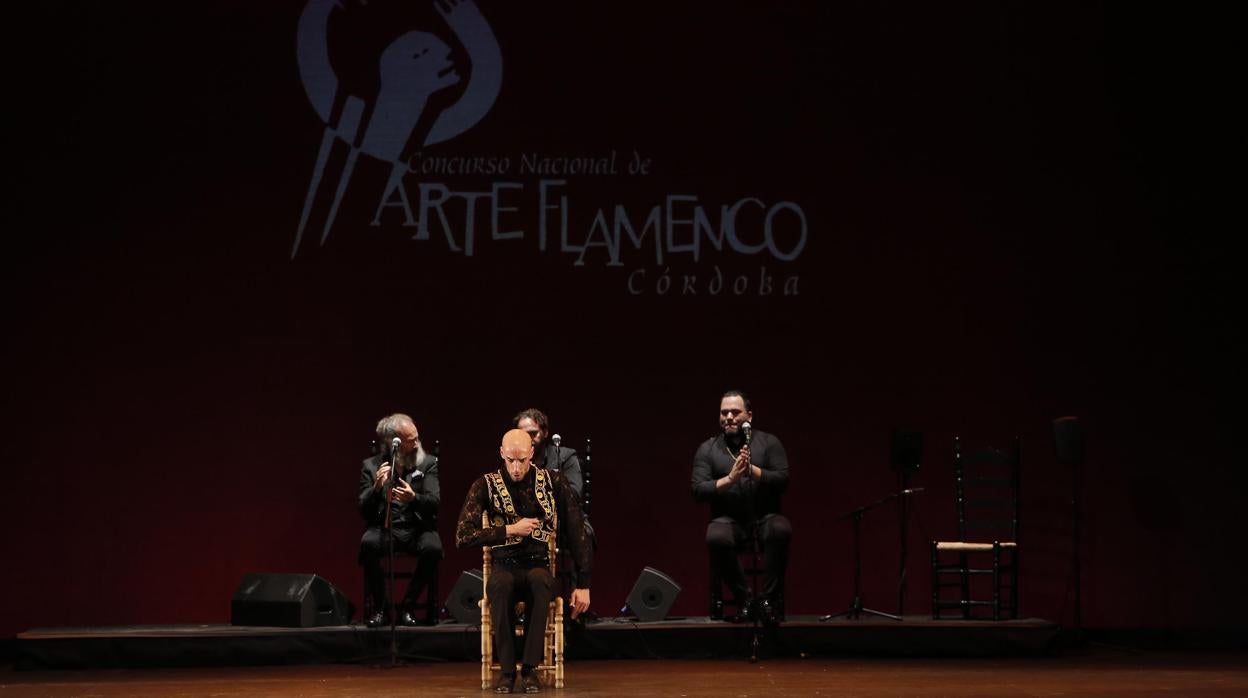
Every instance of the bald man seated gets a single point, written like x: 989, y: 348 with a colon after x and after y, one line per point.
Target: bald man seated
x: 522, y: 503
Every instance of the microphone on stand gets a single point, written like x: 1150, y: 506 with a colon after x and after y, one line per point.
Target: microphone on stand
x: 390, y: 480
x: 394, y: 458
x: 556, y: 440
x: 747, y: 432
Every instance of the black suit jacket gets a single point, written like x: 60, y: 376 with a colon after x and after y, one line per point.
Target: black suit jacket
x: 420, y: 514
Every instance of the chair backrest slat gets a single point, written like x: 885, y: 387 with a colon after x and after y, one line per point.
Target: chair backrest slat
x: 986, y: 490
x: 587, y: 474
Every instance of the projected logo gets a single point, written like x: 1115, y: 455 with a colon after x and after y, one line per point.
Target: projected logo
x: 394, y: 80
x: 417, y: 91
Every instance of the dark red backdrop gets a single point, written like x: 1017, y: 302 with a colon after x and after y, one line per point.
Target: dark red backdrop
x: 1012, y: 217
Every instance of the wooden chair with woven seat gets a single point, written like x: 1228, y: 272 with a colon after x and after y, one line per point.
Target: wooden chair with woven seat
x: 551, y: 668
x: 986, y: 496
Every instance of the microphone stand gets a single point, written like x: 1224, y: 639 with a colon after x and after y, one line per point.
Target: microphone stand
x: 753, y: 604
x: 394, y: 612
x: 391, y: 482
x: 903, y: 511
x: 855, y: 607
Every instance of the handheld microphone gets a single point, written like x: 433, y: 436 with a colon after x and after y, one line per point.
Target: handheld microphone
x: 747, y: 431
x: 556, y: 440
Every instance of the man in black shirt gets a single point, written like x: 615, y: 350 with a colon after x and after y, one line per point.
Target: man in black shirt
x: 413, y: 514
x: 744, y: 482
x: 555, y: 457
x: 547, y: 454
x: 523, y: 506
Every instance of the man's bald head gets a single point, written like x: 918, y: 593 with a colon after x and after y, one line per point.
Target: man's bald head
x: 517, y: 438
x: 517, y: 453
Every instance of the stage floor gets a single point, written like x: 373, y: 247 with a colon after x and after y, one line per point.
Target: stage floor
x: 1094, y: 672
x: 611, y: 638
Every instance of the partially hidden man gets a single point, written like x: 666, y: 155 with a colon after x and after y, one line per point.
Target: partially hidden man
x: 546, y: 453
x: 555, y: 457
x: 413, y: 516
x: 523, y: 505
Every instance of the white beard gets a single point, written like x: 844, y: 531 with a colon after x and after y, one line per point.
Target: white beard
x: 407, y: 463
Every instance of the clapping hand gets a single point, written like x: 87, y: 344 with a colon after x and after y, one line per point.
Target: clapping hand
x: 383, y: 473
x: 740, y: 465
x: 402, y: 493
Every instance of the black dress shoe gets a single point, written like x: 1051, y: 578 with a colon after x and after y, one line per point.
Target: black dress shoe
x: 408, y: 619
x: 504, y: 683
x: 745, y: 613
x: 773, y: 611
x: 530, y: 684
x: 377, y: 620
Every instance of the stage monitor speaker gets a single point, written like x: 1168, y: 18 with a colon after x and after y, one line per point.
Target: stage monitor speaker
x: 289, y: 601
x: 1068, y: 440
x: 653, y: 595
x: 462, y: 602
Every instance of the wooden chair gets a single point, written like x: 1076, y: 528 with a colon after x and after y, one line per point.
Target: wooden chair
x: 987, y: 500
x: 551, y: 668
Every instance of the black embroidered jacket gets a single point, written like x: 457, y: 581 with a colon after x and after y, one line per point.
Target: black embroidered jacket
x: 542, y: 494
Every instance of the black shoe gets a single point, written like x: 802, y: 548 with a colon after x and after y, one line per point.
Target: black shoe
x: 745, y: 612
x: 504, y: 683
x: 408, y: 619
x: 777, y: 608
x: 529, y: 683
x: 377, y: 620
x: 767, y: 612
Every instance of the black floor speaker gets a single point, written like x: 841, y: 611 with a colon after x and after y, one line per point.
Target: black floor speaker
x: 289, y: 601
x: 462, y: 601
x: 652, y: 596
